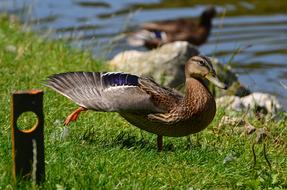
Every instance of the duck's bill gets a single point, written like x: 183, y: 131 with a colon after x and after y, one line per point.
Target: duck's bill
x: 212, y: 78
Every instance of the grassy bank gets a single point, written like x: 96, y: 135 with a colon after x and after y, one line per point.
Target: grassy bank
x: 102, y: 151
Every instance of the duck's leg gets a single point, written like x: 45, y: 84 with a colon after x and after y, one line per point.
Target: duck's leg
x: 74, y: 115
x: 159, y: 143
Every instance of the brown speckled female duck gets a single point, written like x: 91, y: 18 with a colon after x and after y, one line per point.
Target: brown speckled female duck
x: 143, y: 102
x: 155, y: 34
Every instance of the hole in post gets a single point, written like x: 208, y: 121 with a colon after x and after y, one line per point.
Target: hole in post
x: 27, y: 121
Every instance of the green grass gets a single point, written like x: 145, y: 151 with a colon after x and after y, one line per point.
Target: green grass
x: 102, y: 151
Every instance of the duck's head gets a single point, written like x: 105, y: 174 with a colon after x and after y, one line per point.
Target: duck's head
x: 200, y: 67
x: 208, y: 13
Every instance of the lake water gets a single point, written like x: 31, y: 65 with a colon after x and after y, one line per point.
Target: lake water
x: 258, y: 27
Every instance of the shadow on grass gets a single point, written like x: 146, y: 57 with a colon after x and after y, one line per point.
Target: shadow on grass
x: 126, y: 140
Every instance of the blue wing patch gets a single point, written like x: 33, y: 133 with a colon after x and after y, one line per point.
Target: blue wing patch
x: 119, y: 79
x: 157, y: 34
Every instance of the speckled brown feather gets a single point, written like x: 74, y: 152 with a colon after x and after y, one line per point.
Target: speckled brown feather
x: 162, y: 97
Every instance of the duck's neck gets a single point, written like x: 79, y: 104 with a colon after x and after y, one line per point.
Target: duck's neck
x: 206, y: 22
x: 197, y: 93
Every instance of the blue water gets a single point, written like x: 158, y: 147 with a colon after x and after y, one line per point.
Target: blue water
x: 97, y: 25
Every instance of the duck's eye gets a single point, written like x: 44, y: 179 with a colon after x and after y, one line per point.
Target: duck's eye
x: 200, y: 62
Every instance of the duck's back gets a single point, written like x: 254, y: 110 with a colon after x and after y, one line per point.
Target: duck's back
x: 171, y: 26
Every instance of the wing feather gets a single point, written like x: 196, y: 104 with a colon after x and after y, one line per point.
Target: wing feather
x: 103, y: 91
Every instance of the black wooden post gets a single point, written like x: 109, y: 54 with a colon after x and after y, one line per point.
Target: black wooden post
x: 28, y: 145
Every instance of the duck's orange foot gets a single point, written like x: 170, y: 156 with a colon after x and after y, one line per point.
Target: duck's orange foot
x: 74, y: 116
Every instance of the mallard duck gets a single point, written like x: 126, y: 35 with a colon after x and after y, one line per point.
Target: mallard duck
x: 143, y: 102
x: 155, y: 34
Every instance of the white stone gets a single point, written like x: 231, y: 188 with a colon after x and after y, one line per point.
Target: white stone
x: 264, y: 100
x: 268, y: 101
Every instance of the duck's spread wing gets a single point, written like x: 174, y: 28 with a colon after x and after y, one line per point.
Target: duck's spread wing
x: 103, y: 91
x: 163, y: 98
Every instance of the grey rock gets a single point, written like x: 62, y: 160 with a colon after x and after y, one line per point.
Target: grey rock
x: 254, y: 100
x: 165, y: 64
